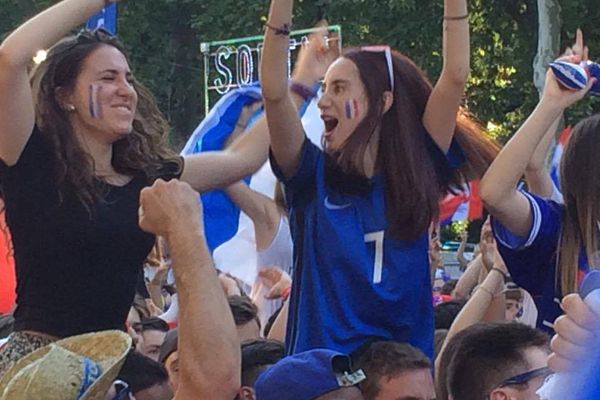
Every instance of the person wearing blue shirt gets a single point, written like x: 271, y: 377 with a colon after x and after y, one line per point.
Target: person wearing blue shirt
x: 360, y: 209
x: 532, y: 259
x: 547, y: 246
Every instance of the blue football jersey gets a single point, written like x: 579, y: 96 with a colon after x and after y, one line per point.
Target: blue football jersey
x: 352, y: 281
x: 531, y: 261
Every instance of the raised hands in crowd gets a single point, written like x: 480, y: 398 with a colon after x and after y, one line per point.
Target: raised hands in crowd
x: 90, y: 184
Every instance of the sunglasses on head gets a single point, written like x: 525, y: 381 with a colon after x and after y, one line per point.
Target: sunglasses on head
x: 86, y: 36
x: 95, y: 35
x: 388, y: 58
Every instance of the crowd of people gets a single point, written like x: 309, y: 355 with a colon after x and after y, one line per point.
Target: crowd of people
x: 118, y: 296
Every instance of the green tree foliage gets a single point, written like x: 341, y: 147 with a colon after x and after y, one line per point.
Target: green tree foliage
x: 164, y: 36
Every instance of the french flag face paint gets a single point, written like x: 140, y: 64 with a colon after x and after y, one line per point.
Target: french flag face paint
x: 95, y: 107
x: 352, y: 109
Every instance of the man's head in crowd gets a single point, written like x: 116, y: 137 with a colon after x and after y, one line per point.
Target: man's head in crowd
x: 497, y: 361
x: 395, y: 371
x: 317, y: 374
x: 152, y: 332
x: 245, y: 315
x: 257, y: 355
x: 169, y: 358
x: 445, y: 313
x: 514, y: 302
x: 147, y: 379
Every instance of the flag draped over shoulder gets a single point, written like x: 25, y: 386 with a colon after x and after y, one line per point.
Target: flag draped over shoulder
x: 229, y: 232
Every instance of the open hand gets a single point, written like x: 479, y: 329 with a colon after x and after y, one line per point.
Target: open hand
x: 316, y: 55
x: 576, y: 335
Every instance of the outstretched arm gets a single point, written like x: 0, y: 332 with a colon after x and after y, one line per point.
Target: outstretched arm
x: 208, y: 171
x: 487, y: 302
x: 17, y: 110
x: 498, y: 188
x: 171, y: 209
x: 211, y: 170
x: 440, y: 114
x: 286, y: 131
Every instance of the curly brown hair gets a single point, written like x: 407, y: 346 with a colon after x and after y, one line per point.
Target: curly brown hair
x: 143, y: 151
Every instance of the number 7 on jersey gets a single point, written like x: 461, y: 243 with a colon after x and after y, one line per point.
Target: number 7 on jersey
x: 376, y: 237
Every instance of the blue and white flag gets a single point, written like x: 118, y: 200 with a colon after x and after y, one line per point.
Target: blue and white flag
x: 106, y: 18
x: 229, y: 232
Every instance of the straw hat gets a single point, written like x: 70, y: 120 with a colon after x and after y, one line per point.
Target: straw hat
x: 76, y: 368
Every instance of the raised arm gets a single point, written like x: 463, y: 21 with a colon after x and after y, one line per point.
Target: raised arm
x: 498, y: 188
x: 536, y: 174
x: 249, y: 152
x: 211, y: 170
x: 262, y: 210
x: 171, y: 209
x: 17, y: 110
x: 286, y: 131
x: 460, y: 253
x: 468, y: 279
x: 440, y: 114
x: 487, y: 302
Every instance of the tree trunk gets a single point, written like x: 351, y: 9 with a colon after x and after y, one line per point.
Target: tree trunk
x: 548, y: 40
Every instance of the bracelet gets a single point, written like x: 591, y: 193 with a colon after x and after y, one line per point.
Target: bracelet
x: 499, y: 271
x: 286, y: 293
x: 303, y: 91
x: 459, y: 18
x: 283, y: 31
x: 488, y: 291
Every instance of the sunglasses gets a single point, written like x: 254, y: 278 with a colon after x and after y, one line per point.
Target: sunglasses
x: 388, y: 58
x: 86, y: 36
x: 525, y: 377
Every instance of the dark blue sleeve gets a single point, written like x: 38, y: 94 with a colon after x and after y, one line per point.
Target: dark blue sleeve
x: 453, y: 158
x: 300, y: 188
x: 531, y: 259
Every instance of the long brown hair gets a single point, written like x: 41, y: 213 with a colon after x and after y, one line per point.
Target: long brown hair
x: 580, y: 185
x: 144, y: 150
x: 415, y: 170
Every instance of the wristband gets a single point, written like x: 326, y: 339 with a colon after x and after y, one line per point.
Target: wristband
x: 303, y: 91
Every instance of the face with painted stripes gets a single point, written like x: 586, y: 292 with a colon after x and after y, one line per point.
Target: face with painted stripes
x: 344, y: 103
x: 103, y: 102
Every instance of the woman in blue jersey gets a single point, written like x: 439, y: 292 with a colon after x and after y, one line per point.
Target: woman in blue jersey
x: 546, y: 245
x: 361, y: 209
